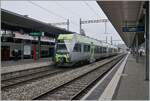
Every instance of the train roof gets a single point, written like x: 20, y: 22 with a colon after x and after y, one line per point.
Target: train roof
x: 83, y: 39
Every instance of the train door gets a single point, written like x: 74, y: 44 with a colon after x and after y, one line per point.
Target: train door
x: 5, y: 53
x: 92, y: 59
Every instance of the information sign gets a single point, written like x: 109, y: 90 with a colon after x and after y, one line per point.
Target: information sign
x: 27, y: 50
x: 37, y: 34
x: 133, y: 29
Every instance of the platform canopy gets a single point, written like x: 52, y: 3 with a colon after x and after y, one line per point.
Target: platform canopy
x: 14, y: 21
x: 126, y: 14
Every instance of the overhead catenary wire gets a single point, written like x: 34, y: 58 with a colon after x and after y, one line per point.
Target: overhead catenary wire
x: 50, y: 12
x: 90, y: 8
x: 68, y: 10
x: 47, y: 10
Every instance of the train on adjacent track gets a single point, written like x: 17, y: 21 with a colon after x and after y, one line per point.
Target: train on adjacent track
x: 75, y: 48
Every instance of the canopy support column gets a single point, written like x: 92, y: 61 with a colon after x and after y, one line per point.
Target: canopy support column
x: 147, y: 38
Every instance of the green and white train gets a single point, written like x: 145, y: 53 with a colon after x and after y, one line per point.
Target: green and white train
x: 74, y: 48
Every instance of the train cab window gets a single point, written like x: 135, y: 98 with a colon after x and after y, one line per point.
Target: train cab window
x: 61, y: 46
x: 77, y: 47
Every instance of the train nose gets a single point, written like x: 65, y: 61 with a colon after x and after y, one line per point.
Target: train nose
x: 62, y: 60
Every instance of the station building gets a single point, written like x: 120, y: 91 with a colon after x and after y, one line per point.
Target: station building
x: 16, y: 37
x: 23, y: 43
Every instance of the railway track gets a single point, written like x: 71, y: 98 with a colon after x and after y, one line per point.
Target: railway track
x: 6, y: 84
x: 74, y: 87
x: 73, y: 80
x: 15, y: 74
x: 29, y: 75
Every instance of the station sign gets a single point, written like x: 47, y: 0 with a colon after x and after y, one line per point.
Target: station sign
x: 133, y: 29
x: 37, y: 34
x: 8, y: 35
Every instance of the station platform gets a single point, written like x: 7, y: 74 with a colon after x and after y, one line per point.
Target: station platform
x: 127, y: 83
x: 12, y: 66
x: 133, y: 85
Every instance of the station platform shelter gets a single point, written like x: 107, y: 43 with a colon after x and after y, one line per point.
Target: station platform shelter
x: 131, y: 21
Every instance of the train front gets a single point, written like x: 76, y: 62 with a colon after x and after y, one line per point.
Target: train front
x: 62, y: 55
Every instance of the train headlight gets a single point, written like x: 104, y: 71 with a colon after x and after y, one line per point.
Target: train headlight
x: 68, y: 58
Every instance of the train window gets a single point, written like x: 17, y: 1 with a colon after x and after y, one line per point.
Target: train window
x: 109, y: 50
x: 101, y: 50
x: 61, y: 47
x: 77, y: 47
x: 86, y: 48
x: 104, y: 49
x: 96, y: 49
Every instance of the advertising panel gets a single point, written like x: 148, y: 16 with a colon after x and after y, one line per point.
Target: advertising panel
x: 27, y: 50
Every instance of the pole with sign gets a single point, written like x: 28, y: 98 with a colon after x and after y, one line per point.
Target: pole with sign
x: 39, y: 46
x: 38, y: 34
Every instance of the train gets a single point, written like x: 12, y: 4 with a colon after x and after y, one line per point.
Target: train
x: 74, y: 48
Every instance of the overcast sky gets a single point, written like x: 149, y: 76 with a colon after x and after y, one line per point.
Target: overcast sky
x: 60, y: 11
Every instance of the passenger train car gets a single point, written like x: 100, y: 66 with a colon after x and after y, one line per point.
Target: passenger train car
x: 73, y: 48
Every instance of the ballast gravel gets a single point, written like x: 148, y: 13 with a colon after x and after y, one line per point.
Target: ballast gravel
x: 34, y: 89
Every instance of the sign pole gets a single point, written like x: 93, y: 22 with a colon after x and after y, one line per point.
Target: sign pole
x: 137, y: 47
x: 147, y: 39
x: 34, y: 52
x: 22, y: 53
x: 106, y: 39
x: 111, y: 40
x: 39, y: 50
x: 80, y: 26
x: 68, y: 24
x: 38, y: 34
x: 105, y: 27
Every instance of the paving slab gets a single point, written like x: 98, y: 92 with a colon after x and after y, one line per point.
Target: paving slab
x: 133, y: 85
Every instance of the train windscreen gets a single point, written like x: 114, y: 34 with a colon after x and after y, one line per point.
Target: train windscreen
x: 61, y: 47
